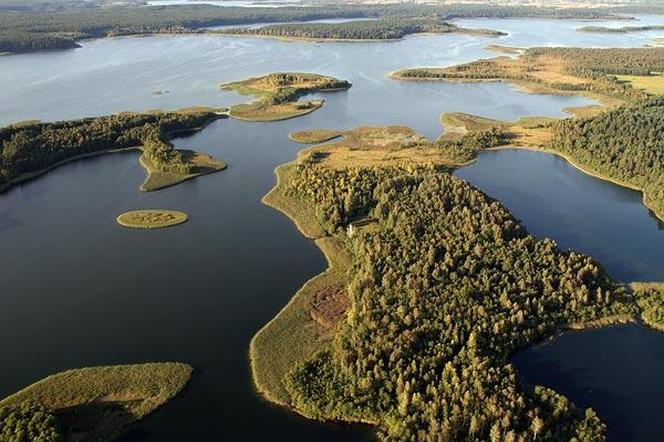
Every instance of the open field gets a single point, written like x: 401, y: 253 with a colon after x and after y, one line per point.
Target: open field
x: 100, y: 403
x: 376, y: 146
x: 653, y: 84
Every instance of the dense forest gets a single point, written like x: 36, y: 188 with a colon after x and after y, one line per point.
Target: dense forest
x: 380, y: 29
x: 624, y: 144
x: 55, y: 29
x: 446, y: 285
x: 28, y: 423
x: 591, y: 69
x: 30, y: 147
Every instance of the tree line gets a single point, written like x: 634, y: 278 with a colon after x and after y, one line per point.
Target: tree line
x: 624, y: 144
x: 379, y: 29
x: 39, y: 30
x: 444, y: 288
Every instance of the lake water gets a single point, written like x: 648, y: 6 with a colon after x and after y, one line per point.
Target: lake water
x: 78, y: 290
x: 616, y: 370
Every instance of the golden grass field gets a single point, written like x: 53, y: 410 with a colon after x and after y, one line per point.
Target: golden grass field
x: 651, y: 83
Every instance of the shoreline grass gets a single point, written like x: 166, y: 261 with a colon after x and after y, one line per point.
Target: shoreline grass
x: 292, y: 336
x: 257, y: 112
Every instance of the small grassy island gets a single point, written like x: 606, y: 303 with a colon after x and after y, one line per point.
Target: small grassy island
x: 151, y: 219
x: 367, y: 30
x: 431, y: 286
x: 30, y: 149
x: 90, y: 404
x: 278, y: 95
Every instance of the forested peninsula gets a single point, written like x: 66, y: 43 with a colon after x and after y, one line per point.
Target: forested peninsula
x: 577, y: 70
x: 431, y: 287
x: 379, y: 29
x: 278, y: 95
x: 35, y: 30
x: 31, y: 148
x: 90, y: 404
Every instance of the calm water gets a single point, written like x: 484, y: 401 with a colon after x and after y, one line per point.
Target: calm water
x: 616, y: 370
x: 79, y: 290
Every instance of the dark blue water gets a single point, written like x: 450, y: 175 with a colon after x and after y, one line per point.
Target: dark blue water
x: 615, y: 370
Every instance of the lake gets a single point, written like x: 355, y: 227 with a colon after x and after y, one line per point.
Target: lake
x: 616, y: 370
x: 78, y: 290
